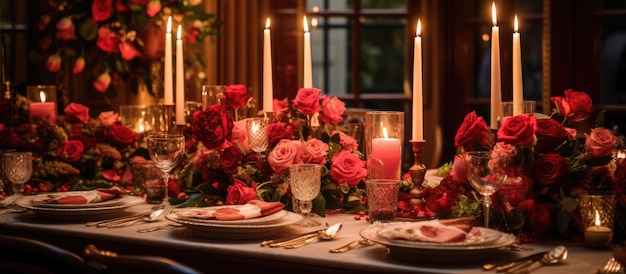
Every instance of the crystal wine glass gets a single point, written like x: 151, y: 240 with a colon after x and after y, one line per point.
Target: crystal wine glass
x: 509, y: 201
x: 486, y: 174
x: 17, y: 167
x: 166, y: 150
x: 304, y: 181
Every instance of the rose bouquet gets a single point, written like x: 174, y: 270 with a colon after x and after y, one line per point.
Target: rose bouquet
x: 115, y: 38
x: 77, y: 153
x: 222, y: 169
x: 555, y: 158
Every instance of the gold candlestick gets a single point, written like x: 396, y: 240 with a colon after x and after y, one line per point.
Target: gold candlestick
x: 417, y: 171
x: 168, y: 111
x: 7, y: 90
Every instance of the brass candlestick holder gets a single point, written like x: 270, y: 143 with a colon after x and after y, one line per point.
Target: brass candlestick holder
x: 7, y: 90
x: 417, y: 171
x: 168, y: 114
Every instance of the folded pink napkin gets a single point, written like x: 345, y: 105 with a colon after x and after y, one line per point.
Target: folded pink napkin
x: 440, y: 231
x: 84, y: 197
x: 252, y: 209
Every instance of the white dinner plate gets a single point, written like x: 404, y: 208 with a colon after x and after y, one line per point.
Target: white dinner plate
x: 258, y: 220
x: 487, y: 236
x: 38, y: 201
x: 438, y: 253
x: 221, y: 231
x: 431, y: 178
x: 81, y: 213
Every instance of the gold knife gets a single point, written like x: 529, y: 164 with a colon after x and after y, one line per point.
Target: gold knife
x: 275, y: 243
x: 519, y: 262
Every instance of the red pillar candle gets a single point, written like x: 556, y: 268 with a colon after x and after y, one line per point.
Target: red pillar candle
x: 43, y: 110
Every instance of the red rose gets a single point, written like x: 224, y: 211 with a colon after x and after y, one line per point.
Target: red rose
x: 539, y: 219
x: 71, y: 151
x: 576, y: 106
x: 239, y: 193
x: 79, y: 65
x: 107, y: 40
x: 212, y: 126
x: 9, y: 138
x: 236, y: 96
x: 550, y: 167
x: 65, y: 29
x: 277, y: 132
x: 518, y: 130
x: 601, y: 142
x: 121, y: 136
x: 230, y: 158
x: 347, y: 142
x: 153, y: 7
x: 550, y: 134
x: 347, y: 168
x: 472, y: 132
x: 332, y: 110
x: 128, y: 51
x: 307, y: 100
x: 619, y: 181
x: 102, y: 9
x: 76, y: 113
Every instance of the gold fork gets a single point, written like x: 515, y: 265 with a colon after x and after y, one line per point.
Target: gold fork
x: 611, y: 266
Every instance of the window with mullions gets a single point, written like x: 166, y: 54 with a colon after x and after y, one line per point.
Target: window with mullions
x: 359, y: 50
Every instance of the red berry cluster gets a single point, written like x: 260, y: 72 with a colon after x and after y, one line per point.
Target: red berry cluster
x: 361, y: 215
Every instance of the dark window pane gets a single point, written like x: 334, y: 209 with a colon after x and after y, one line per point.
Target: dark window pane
x: 530, y: 36
x: 482, y: 63
x: 613, y: 62
x: 382, y: 55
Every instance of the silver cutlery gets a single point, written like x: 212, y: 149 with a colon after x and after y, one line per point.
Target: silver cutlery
x: 612, y: 266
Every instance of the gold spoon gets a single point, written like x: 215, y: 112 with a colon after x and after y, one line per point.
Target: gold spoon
x: 327, y: 234
x: 555, y: 256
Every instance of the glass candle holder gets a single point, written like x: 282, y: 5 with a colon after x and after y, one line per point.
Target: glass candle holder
x: 257, y: 134
x: 598, y: 211
x: 212, y: 94
x: 43, y: 105
x: 384, y: 138
x: 139, y: 118
x: 528, y: 107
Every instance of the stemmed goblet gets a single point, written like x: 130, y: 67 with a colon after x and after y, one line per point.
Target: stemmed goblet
x: 486, y: 174
x: 304, y: 181
x: 17, y: 167
x: 166, y: 150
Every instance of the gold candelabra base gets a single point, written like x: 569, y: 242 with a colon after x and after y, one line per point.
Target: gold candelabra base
x: 417, y: 171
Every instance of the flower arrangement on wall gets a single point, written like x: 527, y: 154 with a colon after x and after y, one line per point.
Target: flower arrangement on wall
x: 111, y: 39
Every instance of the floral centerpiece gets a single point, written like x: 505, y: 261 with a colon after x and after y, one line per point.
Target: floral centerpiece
x: 119, y: 38
x: 555, y: 157
x: 223, y: 170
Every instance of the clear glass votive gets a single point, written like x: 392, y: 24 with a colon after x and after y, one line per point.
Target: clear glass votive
x: 384, y: 138
x: 212, y: 94
x: 257, y: 134
x: 43, y: 104
x: 597, y: 212
x: 528, y: 107
x: 139, y: 118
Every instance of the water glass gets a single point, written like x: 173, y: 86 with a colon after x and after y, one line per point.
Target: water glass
x: 150, y: 178
x: 382, y: 199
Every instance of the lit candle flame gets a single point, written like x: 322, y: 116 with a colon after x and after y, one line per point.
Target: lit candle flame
x: 515, y: 25
x: 419, y: 27
x: 179, y: 32
x: 254, y: 128
x: 42, y: 95
x: 267, y: 23
x: 141, y: 129
x: 385, y: 132
x: 306, y: 25
x: 598, y: 222
x: 493, y: 14
x: 169, y: 24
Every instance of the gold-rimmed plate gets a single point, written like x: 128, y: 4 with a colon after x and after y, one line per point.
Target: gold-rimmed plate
x: 82, y: 213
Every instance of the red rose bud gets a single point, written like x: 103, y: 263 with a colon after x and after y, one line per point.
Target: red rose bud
x: 66, y: 29
x: 53, y: 62
x: 153, y: 7
x: 128, y: 51
x: 43, y: 22
x: 79, y: 65
x: 107, y: 40
x: 102, y: 82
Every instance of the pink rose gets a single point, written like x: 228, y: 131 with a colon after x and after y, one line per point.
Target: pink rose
x: 66, y: 29
x: 102, y: 82
x: 314, y: 151
x: 128, y: 51
x: 236, y: 96
x: 347, y: 142
x: 347, y: 168
x: 107, y: 40
x: 307, y: 100
x: 576, y: 106
x: 154, y: 6
x: 518, y: 130
x: 239, y: 193
x: 79, y: 65
x: 102, y: 9
x: 240, y: 134
x: 71, y: 151
x: 459, y: 168
x: 76, y: 113
x: 53, y: 62
x: 601, y: 142
x: 502, y: 150
x: 571, y: 133
x: 286, y: 153
x: 108, y: 118
x: 332, y: 109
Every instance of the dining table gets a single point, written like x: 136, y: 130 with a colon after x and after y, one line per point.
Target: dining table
x: 232, y: 255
